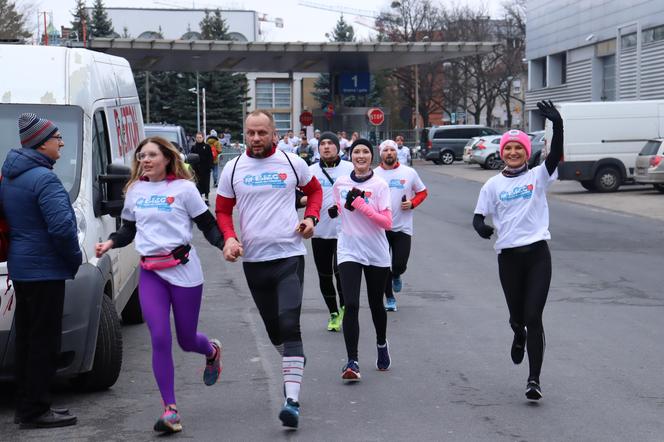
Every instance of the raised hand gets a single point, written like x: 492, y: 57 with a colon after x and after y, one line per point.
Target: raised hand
x: 549, y: 111
x: 350, y: 197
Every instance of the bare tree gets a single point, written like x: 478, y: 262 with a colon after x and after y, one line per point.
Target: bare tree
x: 513, y: 36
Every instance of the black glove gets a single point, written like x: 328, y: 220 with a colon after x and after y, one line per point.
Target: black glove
x: 333, y: 211
x: 549, y: 111
x: 350, y: 197
x: 485, y: 231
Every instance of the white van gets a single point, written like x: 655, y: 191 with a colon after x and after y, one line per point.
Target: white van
x: 92, y: 99
x: 602, y: 140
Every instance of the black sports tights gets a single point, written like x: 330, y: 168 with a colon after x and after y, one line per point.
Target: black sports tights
x: 525, y: 274
x: 400, y: 246
x: 276, y: 287
x: 351, y: 279
x: 325, y: 257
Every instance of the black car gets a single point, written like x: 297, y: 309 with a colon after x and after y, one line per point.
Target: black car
x: 444, y: 144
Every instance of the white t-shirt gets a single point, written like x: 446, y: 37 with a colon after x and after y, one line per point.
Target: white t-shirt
x: 163, y: 212
x: 327, y: 227
x: 344, y: 144
x: 403, y: 154
x: 518, y: 207
x: 360, y: 239
x: 284, y: 146
x: 265, y: 200
x: 402, y: 180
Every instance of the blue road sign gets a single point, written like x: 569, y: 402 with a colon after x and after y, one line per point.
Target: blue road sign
x: 354, y: 83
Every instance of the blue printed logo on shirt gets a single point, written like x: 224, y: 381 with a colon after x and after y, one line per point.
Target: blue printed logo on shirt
x: 160, y: 202
x: 275, y: 180
x: 525, y: 192
x: 397, y: 184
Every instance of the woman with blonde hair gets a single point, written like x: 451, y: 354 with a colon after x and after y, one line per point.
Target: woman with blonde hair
x: 161, y: 202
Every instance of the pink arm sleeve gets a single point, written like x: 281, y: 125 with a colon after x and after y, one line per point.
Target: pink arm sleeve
x: 382, y: 219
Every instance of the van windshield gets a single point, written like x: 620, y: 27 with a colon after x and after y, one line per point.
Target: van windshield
x: 68, y: 119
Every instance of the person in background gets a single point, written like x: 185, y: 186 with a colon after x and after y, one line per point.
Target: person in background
x: 216, y: 148
x: 403, y: 152
x: 305, y: 151
x: 284, y: 144
x: 44, y: 252
x: 204, y: 165
x: 313, y: 142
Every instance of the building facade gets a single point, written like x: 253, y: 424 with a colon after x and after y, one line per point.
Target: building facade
x: 593, y: 50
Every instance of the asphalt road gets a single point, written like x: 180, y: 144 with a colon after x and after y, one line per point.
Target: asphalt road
x: 452, y: 378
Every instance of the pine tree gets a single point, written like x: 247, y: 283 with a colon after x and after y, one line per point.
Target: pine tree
x: 100, y: 25
x: 342, y: 31
x: 12, y: 23
x: 213, y: 26
x: 81, y: 20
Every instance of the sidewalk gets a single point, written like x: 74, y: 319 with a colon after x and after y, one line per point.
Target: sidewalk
x: 632, y: 199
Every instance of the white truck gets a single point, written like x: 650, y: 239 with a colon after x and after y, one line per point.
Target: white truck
x: 603, y: 139
x: 92, y: 99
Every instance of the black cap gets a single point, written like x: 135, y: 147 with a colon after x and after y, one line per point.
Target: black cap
x: 330, y: 136
x: 363, y: 142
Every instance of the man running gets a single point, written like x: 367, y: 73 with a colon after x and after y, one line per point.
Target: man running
x: 324, y: 242
x: 403, y: 152
x: 262, y: 183
x: 407, y: 192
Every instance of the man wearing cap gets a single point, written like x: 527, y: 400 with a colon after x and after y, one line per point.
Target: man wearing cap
x: 44, y: 252
x: 324, y: 241
x: 407, y: 191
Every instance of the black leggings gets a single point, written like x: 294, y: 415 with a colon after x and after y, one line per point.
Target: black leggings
x: 400, y: 247
x: 351, y: 279
x: 525, y: 274
x: 276, y: 287
x: 325, y: 257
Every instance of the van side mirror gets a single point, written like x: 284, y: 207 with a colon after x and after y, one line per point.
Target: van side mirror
x: 113, y: 184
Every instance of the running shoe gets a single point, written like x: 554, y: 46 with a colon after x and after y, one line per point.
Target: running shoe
x: 290, y: 413
x: 213, y: 366
x: 391, y: 304
x: 334, y: 323
x: 518, y: 347
x: 351, y: 372
x: 342, y: 312
x: 383, y: 360
x: 533, y: 391
x: 396, y: 284
x: 169, y: 422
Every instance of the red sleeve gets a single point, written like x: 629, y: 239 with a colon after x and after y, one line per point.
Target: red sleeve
x: 224, y: 211
x: 314, y: 193
x: 419, y: 197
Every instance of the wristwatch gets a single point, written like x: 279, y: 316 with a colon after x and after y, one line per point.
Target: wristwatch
x: 312, y: 218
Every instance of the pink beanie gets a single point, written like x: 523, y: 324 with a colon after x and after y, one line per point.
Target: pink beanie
x: 518, y: 136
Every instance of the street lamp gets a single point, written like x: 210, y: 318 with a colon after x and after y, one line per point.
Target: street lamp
x: 194, y: 90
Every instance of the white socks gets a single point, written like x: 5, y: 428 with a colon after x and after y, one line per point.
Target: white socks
x: 293, y: 369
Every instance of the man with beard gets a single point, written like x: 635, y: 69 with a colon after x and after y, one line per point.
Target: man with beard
x: 204, y: 166
x: 262, y: 182
x: 407, y: 192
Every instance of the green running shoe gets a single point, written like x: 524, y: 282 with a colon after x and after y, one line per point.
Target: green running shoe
x: 334, y: 323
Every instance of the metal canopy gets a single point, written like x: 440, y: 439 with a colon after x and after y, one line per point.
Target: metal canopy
x: 206, y: 56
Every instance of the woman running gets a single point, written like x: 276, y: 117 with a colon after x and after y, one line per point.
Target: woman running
x: 160, y: 203
x: 363, y: 201
x: 516, y: 200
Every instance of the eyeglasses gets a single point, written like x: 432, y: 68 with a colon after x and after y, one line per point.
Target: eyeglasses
x: 142, y: 156
x: 57, y: 137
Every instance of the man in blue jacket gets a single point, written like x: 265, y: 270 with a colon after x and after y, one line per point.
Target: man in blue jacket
x: 43, y: 253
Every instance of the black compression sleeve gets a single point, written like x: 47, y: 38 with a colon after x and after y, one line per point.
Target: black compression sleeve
x: 208, y: 225
x: 125, y: 235
x: 298, y: 199
x: 556, y: 153
x: 478, y: 222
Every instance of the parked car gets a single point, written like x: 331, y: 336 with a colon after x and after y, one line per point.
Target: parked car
x: 487, y: 153
x: 173, y: 133
x: 467, y: 150
x: 650, y: 164
x: 444, y: 144
x: 537, y: 146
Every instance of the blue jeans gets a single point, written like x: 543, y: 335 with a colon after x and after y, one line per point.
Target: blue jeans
x: 215, y: 174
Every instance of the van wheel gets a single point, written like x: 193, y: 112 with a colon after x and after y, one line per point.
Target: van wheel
x: 588, y: 185
x: 447, y: 157
x: 607, y: 179
x: 108, y: 352
x: 132, y: 313
x: 659, y: 187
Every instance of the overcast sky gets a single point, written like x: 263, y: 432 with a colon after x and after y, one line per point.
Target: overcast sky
x: 300, y: 22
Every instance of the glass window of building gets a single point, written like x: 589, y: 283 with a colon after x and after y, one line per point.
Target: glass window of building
x: 273, y: 94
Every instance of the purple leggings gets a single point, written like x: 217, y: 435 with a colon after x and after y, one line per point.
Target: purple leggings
x: 157, y: 296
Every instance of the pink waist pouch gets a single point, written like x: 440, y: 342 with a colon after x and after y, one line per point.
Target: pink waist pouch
x: 179, y: 255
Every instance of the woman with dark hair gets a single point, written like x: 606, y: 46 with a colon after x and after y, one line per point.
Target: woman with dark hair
x: 362, y: 199
x: 161, y: 205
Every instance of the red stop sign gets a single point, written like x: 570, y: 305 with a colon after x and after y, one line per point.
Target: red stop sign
x: 306, y: 118
x: 376, y: 116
